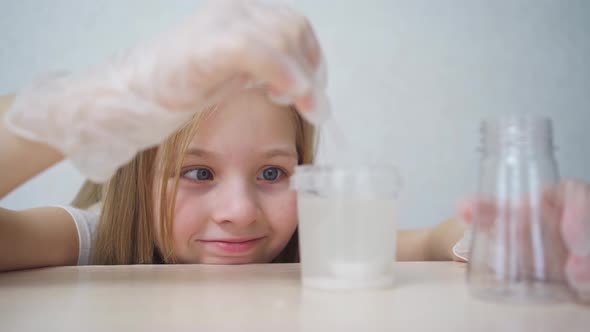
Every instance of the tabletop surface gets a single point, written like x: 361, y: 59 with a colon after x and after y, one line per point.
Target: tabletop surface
x: 427, y: 296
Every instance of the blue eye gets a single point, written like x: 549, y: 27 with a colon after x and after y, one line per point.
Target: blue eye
x: 270, y: 174
x: 198, y: 174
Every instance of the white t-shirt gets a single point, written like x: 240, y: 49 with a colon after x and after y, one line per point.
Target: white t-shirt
x: 86, y: 222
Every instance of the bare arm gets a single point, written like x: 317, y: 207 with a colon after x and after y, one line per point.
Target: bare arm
x: 36, y: 237
x: 429, y: 244
x: 20, y: 159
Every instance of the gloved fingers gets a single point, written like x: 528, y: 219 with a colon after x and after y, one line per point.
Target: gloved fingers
x: 575, y: 223
x: 577, y: 271
x: 298, y: 42
x: 297, y: 34
x: 314, y: 106
x: 281, y: 72
x: 477, y: 209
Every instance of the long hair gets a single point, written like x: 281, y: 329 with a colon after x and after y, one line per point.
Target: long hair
x: 125, y: 232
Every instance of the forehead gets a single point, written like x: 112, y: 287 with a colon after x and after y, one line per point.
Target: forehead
x: 245, y: 121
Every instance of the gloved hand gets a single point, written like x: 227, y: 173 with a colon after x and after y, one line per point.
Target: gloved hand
x: 571, y: 201
x: 101, y: 117
x: 569, y: 205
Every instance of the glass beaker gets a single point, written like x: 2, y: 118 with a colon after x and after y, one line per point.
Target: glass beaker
x: 347, y: 225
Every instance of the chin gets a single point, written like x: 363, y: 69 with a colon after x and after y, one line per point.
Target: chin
x: 228, y: 260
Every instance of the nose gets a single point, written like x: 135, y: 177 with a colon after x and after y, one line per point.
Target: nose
x: 236, y: 203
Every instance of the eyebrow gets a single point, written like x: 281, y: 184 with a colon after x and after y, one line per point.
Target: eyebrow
x: 270, y: 153
x: 278, y: 152
x: 199, y: 153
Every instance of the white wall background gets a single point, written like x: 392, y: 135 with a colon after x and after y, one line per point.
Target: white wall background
x: 409, y: 80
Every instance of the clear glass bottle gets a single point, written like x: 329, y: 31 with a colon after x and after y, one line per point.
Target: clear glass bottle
x: 517, y: 253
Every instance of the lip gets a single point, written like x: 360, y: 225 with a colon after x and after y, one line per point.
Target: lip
x: 232, y: 246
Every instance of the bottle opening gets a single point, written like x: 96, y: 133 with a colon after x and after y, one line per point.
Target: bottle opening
x: 517, y: 133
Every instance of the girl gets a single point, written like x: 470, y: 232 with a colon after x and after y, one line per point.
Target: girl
x: 183, y: 186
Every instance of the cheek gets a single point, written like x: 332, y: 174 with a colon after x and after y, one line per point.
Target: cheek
x: 189, y: 217
x: 281, y: 211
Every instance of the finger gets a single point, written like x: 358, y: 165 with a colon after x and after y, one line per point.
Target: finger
x: 291, y: 35
x: 280, y: 71
x: 301, y: 44
x: 281, y: 100
x: 551, y: 197
x: 577, y: 271
x: 312, y: 49
x: 575, y: 225
x: 278, y: 98
x: 477, y: 208
x: 288, y: 32
x: 298, y: 36
x: 551, y: 207
x: 465, y: 208
x: 314, y: 107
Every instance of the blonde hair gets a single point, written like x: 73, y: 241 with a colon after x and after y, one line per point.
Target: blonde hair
x: 89, y: 194
x: 125, y: 232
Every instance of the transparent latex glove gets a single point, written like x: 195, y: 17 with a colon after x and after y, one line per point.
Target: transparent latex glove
x: 101, y: 117
x: 569, y: 205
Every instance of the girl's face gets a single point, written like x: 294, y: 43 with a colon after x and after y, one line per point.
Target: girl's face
x: 233, y: 204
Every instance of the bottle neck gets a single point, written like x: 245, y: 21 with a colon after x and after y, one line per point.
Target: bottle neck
x: 522, y: 135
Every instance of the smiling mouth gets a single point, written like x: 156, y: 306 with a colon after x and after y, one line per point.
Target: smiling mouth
x: 232, y: 246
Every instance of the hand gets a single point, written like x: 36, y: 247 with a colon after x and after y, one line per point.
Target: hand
x: 568, y: 204
x: 571, y: 201
x: 100, y: 117
x: 224, y: 47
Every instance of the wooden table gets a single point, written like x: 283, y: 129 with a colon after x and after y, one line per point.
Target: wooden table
x: 427, y: 297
